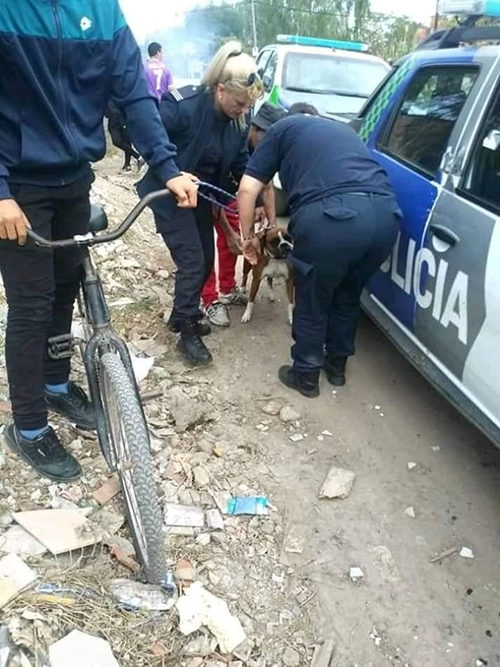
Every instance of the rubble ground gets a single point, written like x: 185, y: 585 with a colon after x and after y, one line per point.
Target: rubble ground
x: 344, y: 572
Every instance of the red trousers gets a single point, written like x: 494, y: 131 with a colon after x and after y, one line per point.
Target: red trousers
x: 226, y: 263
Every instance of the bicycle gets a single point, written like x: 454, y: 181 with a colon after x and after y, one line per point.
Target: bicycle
x: 121, y: 423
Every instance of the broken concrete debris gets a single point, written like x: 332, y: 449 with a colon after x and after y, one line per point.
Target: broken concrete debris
x: 289, y: 415
x: 184, y: 516
x: 466, y: 552
x: 410, y: 511
x: 338, y: 484
x: 136, y: 595
x: 356, y: 574
x: 198, y: 607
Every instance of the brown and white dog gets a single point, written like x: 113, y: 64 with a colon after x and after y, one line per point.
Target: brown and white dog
x: 276, y: 245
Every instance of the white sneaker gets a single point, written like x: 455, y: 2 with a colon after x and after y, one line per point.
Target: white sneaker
x: 218, y: 315
x: 236, y: 297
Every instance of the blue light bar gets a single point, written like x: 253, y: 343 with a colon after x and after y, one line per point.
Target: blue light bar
x: 470, y: 7
x: 318, y: 41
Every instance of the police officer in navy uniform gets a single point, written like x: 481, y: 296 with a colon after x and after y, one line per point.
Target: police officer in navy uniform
x: 344, y: 223
x: 208, y: 126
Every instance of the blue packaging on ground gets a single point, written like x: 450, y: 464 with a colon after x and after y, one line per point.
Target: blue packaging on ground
x: 243, y: 505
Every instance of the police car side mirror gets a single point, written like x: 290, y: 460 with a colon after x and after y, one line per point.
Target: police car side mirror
x: 492, y: 140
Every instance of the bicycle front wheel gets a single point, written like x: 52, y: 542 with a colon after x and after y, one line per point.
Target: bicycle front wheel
x: 130, y: 455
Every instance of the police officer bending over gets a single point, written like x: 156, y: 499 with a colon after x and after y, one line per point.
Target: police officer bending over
x: 344, y: 223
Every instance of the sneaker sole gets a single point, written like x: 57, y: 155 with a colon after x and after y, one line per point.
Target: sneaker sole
x: 12, y: 445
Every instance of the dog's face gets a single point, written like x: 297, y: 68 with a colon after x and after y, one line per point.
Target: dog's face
x: 278, y: 242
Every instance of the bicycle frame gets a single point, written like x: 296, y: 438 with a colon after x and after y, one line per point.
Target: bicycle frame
x: 103, y: 339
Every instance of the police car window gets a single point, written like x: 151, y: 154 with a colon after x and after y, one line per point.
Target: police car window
x: 262, y: 60
x: 421, y: 129
x: 482, y: 180
x: 270, y: 71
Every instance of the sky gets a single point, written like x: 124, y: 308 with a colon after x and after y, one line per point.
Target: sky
x: 146, y: 15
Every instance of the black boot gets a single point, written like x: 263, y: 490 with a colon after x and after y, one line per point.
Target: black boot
x: 204, y: 328
x: 192, y: 347
x: 335, y: 371
x: 305, y: 382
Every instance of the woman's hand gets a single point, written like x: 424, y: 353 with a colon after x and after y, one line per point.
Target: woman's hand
x: 251, y: 250
x: 234, y: 243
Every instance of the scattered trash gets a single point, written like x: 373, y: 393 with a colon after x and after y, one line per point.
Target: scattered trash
x: 323, y: 654
x: 222, y: 499
x: 17, y: 541
x: 321, y: 438
x: 79, y: 649
x: 203, y: 539
x: 218, y: 451
x: 15, y: 577
x: 444, y: 554
x: 184, y: 515
x: 141, y: 365
x: 134, y: 595
x: 377, y: 408
x: 288, y: 415
x: 107, y: 491
x: 60, y: 530
x: 184, y: 571
x: 377, y: 639
x: 198, y: 607
x: 412, y: 465
x: 215, y: 520
x: 291, y: 657
x: 6, y: 646
x: 356, y: 573
x: 254, y: 505
x: 125, y: 560
x: 327, y: 434
x: 465, y: 552
x: 297, y: 437
x: 338, y: 484
x: 410, y: 511
x: 436, y: 448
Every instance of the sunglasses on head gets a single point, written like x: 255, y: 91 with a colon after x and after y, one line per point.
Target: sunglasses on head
x: 253, y: 77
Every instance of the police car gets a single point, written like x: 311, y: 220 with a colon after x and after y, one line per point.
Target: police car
x: 434, y: 125
x: 336, y: 77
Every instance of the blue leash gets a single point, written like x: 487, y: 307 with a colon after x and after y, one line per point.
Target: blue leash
x: 218, y: 191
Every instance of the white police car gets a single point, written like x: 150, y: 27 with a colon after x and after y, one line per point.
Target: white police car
x: 336, y: 77
x: 434, y: 125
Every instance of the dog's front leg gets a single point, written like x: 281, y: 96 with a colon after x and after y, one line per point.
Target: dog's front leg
x: 247, y: 315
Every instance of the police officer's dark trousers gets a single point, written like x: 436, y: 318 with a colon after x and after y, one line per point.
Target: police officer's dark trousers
x: 189, y: 235
x: 339, y: 243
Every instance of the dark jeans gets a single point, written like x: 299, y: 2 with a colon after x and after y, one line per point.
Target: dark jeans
x: 41, y: 286
x: 189, y: 235
x: 339, y: 243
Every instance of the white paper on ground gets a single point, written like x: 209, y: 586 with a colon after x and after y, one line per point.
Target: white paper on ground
x: 200, y: 607
x: 15, y: 577
x: 141, y: 365
x: 79, y: 649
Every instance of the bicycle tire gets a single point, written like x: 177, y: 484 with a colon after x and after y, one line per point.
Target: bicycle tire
x: 125, y: 418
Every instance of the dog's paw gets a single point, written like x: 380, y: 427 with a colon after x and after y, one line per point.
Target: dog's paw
x: 247, y: 315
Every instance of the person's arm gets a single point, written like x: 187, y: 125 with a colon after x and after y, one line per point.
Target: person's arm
x: 129, y: 92
x: 250, y: 188
x: 233, y: 238
x: 270, y: 203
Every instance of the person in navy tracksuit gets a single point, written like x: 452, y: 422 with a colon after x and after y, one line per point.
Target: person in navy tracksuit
x: 61, y: 63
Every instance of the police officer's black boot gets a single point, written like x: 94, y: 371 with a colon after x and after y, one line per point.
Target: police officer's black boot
x: 305, y: 382
x: 335, y: 371
x: 191, y: 345
x: 175, y: 326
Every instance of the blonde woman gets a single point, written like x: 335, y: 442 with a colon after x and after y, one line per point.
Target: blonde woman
x: 207, y: 123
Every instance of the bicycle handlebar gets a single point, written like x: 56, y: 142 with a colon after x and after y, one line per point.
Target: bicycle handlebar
x: 91, y: 239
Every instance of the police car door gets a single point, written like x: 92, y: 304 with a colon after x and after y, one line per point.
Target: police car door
x: 458, y: 288
x: 412, y: 143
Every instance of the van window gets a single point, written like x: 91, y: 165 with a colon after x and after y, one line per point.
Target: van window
x: 482, y: 180
x: 420, y: 131
x: 270, y: 72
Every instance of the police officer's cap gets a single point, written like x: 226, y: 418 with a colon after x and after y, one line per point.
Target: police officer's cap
x: 267, y: 115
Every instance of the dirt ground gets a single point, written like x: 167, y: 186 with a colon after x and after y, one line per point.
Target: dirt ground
x: 405, y: 611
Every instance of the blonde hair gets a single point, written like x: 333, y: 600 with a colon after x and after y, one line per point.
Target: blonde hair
x: 234, y: 69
